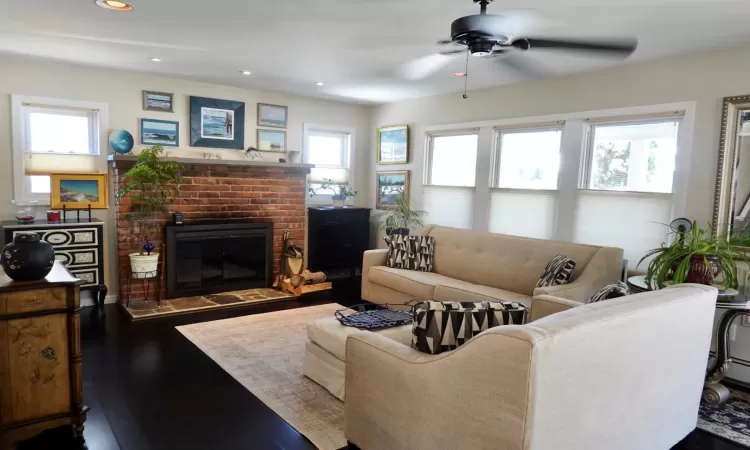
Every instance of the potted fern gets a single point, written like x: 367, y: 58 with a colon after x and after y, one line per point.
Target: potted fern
x: 151, y: 185
x: 401, y: 218
x: 341, y: 192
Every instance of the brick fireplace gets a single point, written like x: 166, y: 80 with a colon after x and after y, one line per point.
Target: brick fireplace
x: 222, y: 191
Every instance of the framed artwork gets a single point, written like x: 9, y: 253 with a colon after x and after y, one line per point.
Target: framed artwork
x: 158, y: 101
x: 393, y: 145
x: 271, y: 140
x: 79, y: 190
x: 273, y: 116
x: 390, y: 185
x: 160, y: 132
x: 217, y: 123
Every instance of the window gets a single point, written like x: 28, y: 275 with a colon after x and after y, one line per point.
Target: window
x: 636, y: 157
x: 529, y: 159
x: 329, y: 148
x: 52, y: 135
x: 452, y: 160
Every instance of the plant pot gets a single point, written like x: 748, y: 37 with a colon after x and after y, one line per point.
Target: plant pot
x: 699, y: 273
x: 338, y: 201
x: 399, y: 231
x: 27, y: 258
x: 144, y: 266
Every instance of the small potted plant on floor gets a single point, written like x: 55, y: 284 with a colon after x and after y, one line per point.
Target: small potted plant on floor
x: 695, y: 256
x: 341, y: 192
x: 401, y: 218
x: 151, y: 186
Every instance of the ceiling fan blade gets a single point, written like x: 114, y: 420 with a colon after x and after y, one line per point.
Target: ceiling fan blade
x: 521, y: 65
x: 453, y: 52
x: 423, y: 67
x: 622, y: 48
x: 445, y: 42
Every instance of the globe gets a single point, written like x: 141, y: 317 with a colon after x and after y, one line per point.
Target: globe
x: 121, y: 142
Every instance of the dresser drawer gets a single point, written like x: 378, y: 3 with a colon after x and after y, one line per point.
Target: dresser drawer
x: 72, y: 258
x: 90, y: 276
x: 66, y: 238
x: 32, y: 301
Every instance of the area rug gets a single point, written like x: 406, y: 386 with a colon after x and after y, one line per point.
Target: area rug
x: 150, y: 309
x: 730, y: 421
x: 264, y: 352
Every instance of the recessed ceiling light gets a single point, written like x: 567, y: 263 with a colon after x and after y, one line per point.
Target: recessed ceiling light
x: 459, y: 74
x: 155, y: 59
x: 245, y: 72
x: 320, y: 83
x: 115, y: 5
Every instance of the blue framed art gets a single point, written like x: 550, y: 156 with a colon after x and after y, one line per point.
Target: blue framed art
x: 160, y: 132
x: 217, y: 123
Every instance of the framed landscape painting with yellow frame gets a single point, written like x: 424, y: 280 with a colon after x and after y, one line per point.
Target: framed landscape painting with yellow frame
x: 393, y: 145
x: 79, y: 190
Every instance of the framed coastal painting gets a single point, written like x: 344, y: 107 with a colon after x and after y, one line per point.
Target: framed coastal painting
x: 273, y: 116
x: 160, y: 132
x: 390, y: 185
x: 393, y: 145
x: 78, y: 190
x: 217, y: 123
x: 158, y: 101
x: 271, y: 140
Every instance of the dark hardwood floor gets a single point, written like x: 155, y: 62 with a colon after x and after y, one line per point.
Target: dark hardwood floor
x: 149, y: 388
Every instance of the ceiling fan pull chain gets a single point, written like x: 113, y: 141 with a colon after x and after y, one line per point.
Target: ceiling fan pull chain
x: 466, y: 75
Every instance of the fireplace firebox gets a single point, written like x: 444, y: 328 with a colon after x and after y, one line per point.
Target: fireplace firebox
x: 209, y: 258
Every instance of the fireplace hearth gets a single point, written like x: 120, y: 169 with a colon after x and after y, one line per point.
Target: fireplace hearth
x: 214, y: 257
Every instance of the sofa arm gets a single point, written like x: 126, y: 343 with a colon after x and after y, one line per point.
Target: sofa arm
x: 604, y: 268
x: 546, y: 305
x: 399, y: 398
x: 370, y: 259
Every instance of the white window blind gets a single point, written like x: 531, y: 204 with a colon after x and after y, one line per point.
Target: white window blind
x: 329, y: 150
x: 449, y: 207
x: 523, y: 213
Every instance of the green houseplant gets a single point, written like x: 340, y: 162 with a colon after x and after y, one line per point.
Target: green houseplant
x: 151, y: 186
x: 695, y: 256
x: 401, y: 218
x: 340, y: 191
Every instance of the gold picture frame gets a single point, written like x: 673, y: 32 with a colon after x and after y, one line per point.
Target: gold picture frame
x: 271, y: 140
x: 388, y: 183
x: 79, y: 190
x: 395, y: 142
x: 267, y: 115
x: 158, y: 101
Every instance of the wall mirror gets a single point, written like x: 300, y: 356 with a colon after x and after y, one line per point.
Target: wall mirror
x: 732, y: 198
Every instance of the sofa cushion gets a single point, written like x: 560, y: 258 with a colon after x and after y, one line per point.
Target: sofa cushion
x: 330, y: 335
x: 558, y: 271
x: 467, y: 292
x: 410, y: 252
x: 614, y: 290
x: 420, y: 285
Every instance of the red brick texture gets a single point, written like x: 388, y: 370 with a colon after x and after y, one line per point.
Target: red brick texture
x: 216, y: 192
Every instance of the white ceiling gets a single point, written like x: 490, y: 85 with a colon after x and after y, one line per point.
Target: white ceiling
x: 355, y: 46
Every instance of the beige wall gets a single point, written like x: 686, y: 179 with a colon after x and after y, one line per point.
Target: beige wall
x: 121, y: 91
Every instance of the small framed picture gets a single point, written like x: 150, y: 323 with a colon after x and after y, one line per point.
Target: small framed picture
x: 273, y: 116
x: 160, y: 132
x: 390, y: 185
x: 271, y: 141
x: 393, y: 145
x: 79, y: 190
x: 158, y: 101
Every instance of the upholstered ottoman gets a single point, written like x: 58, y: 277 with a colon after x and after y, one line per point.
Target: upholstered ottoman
x: 325, y: 354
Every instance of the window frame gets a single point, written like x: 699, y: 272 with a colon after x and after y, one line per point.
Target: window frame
x: 349, y: 157
x: 498, y: 149
x: 429, y: 142
x: 21, y: 107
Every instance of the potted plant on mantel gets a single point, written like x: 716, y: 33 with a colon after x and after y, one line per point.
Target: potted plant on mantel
x: 695, y: 256
x: 340, y: 191
x: 152, y: 184
x: 401, y: 218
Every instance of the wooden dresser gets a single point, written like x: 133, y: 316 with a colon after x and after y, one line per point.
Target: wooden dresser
x: 40, y: 356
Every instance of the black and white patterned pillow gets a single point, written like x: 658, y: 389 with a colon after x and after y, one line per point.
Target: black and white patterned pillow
x: 411, y: 252
x: 609, y: 291
x: 443, y: 326
x: 558, y: 271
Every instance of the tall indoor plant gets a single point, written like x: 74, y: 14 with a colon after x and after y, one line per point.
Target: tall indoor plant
x: 400, y: 218
x: 151, y: 185
x: 340, y: 191
x: 695, y: 256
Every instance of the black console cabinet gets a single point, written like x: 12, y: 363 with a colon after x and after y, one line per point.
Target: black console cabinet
x: 337, y: 238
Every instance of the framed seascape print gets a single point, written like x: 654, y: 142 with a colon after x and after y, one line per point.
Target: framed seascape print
x: 160, y: 132
x: 273, y: 116
x: 390, y: 185
x: 158, y: 101
x: 393, y: 145
x: 79, y: 190
x: 217, y: 123
x: 271, y: 141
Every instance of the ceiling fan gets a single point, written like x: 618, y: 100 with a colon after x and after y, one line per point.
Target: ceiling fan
x: 482, y: 35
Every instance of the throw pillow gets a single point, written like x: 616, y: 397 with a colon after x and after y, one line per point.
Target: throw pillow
x: 443, y: 326
x: 613, y: 290
x: 411, y: 252
x: 558, y: 271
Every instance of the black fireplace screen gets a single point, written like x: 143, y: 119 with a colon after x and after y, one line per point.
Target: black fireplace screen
x: 213, y: 258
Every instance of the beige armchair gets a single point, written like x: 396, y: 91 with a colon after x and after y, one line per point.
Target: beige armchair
x: 623, y: 374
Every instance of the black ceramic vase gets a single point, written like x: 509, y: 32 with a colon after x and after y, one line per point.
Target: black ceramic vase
x: 27, y: 258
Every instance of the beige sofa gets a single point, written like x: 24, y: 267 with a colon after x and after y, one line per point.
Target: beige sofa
x: 475, y: 266
x: 622, y: 374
